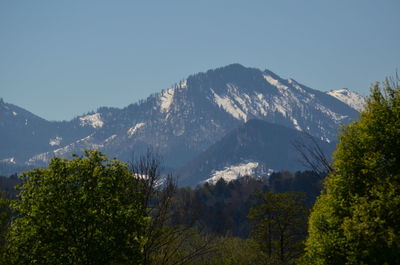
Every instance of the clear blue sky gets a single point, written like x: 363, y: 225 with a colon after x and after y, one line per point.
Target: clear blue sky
x: 59, y: 59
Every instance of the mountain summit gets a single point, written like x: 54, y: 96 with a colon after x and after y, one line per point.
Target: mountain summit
x: 351, y: 98
x: 184, y: 120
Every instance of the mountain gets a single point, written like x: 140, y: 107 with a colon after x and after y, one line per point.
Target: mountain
x: 23, y: 134
x: 348, y: 97
x: 256, y: 148
x: 179, y: 122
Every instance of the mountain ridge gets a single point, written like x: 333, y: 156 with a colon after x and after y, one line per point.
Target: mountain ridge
x: 184, y: 120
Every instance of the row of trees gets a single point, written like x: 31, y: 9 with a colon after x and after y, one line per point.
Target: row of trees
x: 223, y: 209
x: 91, y: 210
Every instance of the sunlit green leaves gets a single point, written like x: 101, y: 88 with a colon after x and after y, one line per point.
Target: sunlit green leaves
x: 86, y: 210
x: 355, y: 220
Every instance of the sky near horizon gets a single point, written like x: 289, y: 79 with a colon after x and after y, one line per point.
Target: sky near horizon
x: 60, y: 59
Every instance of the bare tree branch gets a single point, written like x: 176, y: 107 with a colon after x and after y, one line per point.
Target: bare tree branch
x: 313, y: 157
x: 164, y: 241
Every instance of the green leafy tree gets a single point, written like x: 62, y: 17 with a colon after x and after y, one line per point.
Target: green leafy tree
x: 5, y: 217
x: 279, y: 226
x: 356, y: 218
x: 86, y: 210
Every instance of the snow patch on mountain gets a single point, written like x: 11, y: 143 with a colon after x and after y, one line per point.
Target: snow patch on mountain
x: 233, y: 172
x: 183, y: 84
x: 351, y: 98
x: 10, y: 160
x: 166, y: 99
x: 87, y: 142
x: 55, y: 141
x: 261, y: 104
x: 41, y: 158
x: 109, y: 139
x: 296, y: 124
x: 337, y: 118
x: 229, y: 106
x: 275, y: 82
x: 296, y: 85
x: 93, y: 120
x: 279, y: 106
x: 134, y: 129
x: 84, y: 143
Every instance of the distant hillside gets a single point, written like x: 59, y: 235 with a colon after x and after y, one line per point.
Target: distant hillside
x: 256, y: 148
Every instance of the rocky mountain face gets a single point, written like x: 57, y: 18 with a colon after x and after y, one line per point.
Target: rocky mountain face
x: 179, y: 122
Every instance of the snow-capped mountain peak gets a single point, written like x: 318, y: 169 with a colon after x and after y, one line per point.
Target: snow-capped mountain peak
x: 351, y: 98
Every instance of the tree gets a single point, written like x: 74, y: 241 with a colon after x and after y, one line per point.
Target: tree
x: 5, y: 216
x: 166, y: 243
x: 279, y: 226
x: 356, y: 218
x: 313, y: 156
x: 236, y: 251
x: 86, y: 210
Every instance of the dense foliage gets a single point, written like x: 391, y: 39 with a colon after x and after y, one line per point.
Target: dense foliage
x: 86, y: 210
x: 356, y: 219
x: 5, y: 217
